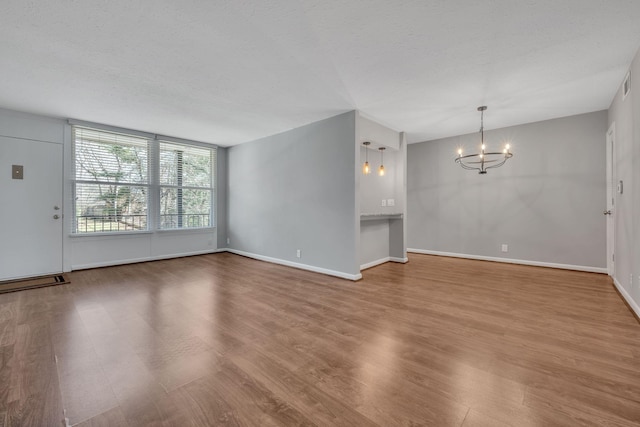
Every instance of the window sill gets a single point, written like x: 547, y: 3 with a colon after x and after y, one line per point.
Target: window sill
x: 137, y: 233
x: 109, y: 234
x: 186, y: 230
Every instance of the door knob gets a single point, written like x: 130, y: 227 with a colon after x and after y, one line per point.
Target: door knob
x: 607, y: 212
x: 56, y: 216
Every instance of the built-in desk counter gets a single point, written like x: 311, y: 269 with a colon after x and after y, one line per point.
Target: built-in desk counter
x: 376, y: 216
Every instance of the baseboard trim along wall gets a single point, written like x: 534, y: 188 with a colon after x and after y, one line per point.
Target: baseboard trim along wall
x: 382, y: 261
x: 296, y: 265
x: 144, y: 259
x: 374, y: 263
x: 512, y: 261
x: 630, y: 302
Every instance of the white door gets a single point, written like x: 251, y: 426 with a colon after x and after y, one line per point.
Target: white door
x: 611, y: 199
x: 31, y: 211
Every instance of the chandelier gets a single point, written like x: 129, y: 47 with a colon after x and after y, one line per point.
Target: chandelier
x: 483, y: 160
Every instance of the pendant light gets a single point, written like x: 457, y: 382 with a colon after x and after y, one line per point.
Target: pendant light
x: 366, y: 170
x: 381, y: 168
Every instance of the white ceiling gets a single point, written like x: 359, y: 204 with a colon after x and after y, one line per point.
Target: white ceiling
x: 233, y: 71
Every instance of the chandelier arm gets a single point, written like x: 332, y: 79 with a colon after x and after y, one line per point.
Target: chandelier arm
x: 467, y: 156
x: 501, y: 153
x: 504, y: 160
x: 472, y: 156
x: 467, y: 167
x: 498, y: 164
x: 496, y: 160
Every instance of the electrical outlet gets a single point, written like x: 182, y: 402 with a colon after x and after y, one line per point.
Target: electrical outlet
x: 298, y: 253
x: 391, y: 202
x: 384, y: 202
x: 505, y: 247
x: 228, y: 240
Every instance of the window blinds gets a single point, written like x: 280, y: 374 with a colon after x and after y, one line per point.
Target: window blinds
x: 131, y: 183
x: 186, y: 185
x: 111, y: 188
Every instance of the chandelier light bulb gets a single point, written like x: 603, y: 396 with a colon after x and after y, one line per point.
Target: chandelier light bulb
x: 483, y: 146
x: 366, y: 169
x: 381, y: 170
x: 507, y: 147
x: 459, y: 151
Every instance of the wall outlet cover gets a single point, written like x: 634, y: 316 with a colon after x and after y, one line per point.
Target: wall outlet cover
x: 505, y: 248
x: 228, y: 240
x: 384, y: 202
x: 17, y: 171
x: 391, y: 202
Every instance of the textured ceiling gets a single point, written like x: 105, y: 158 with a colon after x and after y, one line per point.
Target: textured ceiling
x: 233, y: 71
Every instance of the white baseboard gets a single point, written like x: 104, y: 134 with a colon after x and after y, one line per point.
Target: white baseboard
x: 634, y: 305
x: 296, y: 265
x: 374, y: 263
x: 144, y: 259
x: 382, y: 261
x: 512, y: 261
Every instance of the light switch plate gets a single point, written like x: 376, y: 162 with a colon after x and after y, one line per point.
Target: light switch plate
x: 17, y: 171
x: 384, y: 202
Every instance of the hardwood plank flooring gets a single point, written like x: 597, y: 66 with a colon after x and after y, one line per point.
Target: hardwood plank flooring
x: 225, y: 340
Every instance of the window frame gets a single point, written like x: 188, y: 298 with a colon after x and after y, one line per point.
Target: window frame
x: 211, y: 188
x: 153, y: 184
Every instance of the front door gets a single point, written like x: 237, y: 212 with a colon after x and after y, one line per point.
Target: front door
x: 31, y: 211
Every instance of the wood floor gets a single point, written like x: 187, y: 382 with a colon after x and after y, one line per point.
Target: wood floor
x: 224, y: 340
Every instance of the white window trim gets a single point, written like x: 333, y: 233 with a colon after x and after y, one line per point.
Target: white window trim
x: 153, y: 198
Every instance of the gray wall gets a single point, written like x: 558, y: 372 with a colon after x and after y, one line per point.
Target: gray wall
x: 296, y: 190
x: 546, y: 203
x: 626, y: 116
x: 374, y: 188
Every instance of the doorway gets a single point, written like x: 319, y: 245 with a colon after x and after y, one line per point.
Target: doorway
x: 31, y: 216
x: 610, y: 212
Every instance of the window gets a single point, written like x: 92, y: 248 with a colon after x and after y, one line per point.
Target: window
x: 111, y: 182
x: 186, y: 186
x: 126, y: 183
